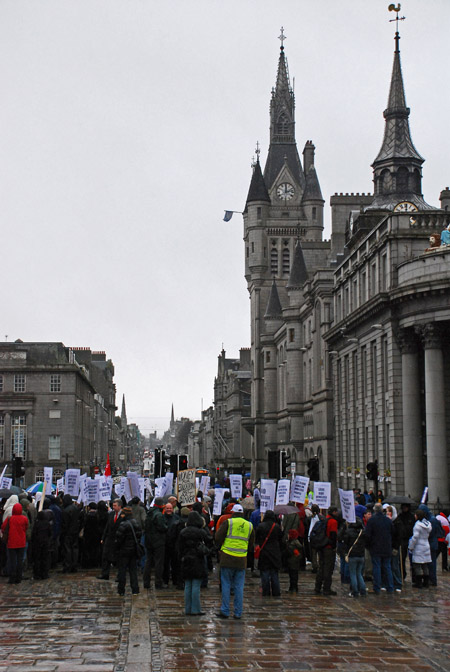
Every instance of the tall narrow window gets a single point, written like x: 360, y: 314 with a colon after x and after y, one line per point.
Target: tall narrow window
x: 282, y: 125
x: 55, y: 382
x: 54, y: 447
x: 20, y: 382
x: 286, y: 261
x: 274, y: 261
x: 1, y: 383
x: 2, y: 436
x: 19, y: 434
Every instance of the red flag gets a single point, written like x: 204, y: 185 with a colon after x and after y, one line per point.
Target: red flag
x: 108, y: 466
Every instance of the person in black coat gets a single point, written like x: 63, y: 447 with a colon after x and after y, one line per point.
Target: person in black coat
x: 379, y: 542
x: 354, y: 547
x: 127, y: 537
x: 70, y: 527
x: 270, y: 559
x: 193, y: 542
x: 109, y: 538
x: 41, y: 539
x: 91, y: 547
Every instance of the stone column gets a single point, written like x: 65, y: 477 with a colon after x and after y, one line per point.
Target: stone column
x: 412, y: 429
x: 435, y: 415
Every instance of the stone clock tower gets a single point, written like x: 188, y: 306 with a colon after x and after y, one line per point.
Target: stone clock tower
x: 283, y: 217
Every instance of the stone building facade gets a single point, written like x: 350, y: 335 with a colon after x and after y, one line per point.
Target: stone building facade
x: 57, y: 408
x: 348, y: 336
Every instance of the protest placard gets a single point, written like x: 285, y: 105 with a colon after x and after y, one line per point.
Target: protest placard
x: 347, y: 499
x: 299, y: 489
x: 283, y: 491
x: 5, y: 482
x: 72, y: 482
x: 104, y: 489
x: 267, y: 495
x: 60, y: 485
x: 204, y: 484
x: 218, y: 501
x: 186, y: 487
x: 48, y: 478
x: 169, y: 483
x: 133, y: 479
x: 322, y: 494
x: 160, y: 486
x: 236, y: 486
x: 126, y: 488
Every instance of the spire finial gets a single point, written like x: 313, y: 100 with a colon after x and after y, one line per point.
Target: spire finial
x: 393, y: 8
x: 257, y: 150
x: 282, y: 38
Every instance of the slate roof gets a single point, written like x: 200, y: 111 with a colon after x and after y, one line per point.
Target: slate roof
x: 258, y: 190
x: 312, y: 186
x: 299, y: 274
x: 274, y: 309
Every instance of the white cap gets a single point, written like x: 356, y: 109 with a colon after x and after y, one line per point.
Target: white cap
x: 237, y: 508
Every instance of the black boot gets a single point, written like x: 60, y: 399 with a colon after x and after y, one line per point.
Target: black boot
x: 426, y: 581
x: 418, y: 581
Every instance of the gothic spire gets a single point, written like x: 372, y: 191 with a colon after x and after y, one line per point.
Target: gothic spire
x: 258, y: 190
x: 298, y: 275
x: 282, y: 126
x: 274, y: 311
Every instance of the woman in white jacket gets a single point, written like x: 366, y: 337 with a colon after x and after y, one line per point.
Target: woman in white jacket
x: 420, y: 548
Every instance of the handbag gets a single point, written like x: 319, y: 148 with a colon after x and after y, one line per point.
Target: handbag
x: 258, y: 549
x: 140, y: 550
x: 346, y: 557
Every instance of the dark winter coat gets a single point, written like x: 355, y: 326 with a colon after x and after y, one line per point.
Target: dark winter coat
x: 155, y: 529
x: 294, y: 559
x: 70, y: 518
x: 42, y: 531
x: 379, y: 535
x: 405, y: 524
x: 350, y: 536
x: 109, y: 536
x: 270, y: 556
x: 125, y: 542
x: 189, y: 540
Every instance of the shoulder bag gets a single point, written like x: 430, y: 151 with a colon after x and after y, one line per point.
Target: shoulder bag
x: 258, y: 549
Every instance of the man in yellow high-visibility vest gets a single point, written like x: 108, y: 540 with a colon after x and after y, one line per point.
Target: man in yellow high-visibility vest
x: 235, y: 537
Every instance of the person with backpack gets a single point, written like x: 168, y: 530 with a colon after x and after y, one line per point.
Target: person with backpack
x: 323, y: 538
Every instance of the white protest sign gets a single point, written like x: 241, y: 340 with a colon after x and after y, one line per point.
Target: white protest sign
x: 299, y: 489
x: 119, y: 488
x: 347, y: 498
x: 204, y: 484
x: 133, y: 480
x: 148, y: 486
x: 186, y: 487
x: 160, y: 488
x: 267, y: 495
x: 60, y: 485
x: 283, y: 491
x: 48, y: 478
x: 169, y: 483
x: 3, y: 472
x: 236, y: 486
x: 72, y: 482
x: 6, y: 482
x: 104, y: 489
x: 141, y: 489
x: 126, y: 488
x: 322, y: 494
x: 218, y: 501
x: 91, y: 490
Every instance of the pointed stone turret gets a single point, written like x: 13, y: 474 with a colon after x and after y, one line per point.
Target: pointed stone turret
x: 123, y: 414
x: 258, y: 190
x: 299, y: 273
x: 172, y: 418
x: 397, y: 167
x: 282, y: 128
x: 312, y: 187
x: 274, y: 311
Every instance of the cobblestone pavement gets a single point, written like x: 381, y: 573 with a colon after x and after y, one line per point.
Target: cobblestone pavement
x: 75, y: 623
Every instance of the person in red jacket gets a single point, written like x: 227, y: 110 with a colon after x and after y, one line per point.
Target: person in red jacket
x: 17, y: 525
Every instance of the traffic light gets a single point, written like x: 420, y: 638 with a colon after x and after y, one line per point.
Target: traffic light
x: 18, y: 470
x: 313, y: 469
x: 273, y: 459
x: 283, y: 464
x: 183, y: 462
x: 157, y: 462
x: 174, y: 464
x: 372, y: 471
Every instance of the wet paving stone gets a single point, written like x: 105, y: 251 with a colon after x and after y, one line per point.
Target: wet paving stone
x: 74, y: 623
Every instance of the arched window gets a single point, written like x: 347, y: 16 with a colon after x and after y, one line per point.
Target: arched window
x: 274, y: 261
x: 385, y: 182
x: 402, y: 179
x: 286, y: 261
x: 282, y: 124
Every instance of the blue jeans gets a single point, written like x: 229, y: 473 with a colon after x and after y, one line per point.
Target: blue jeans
x: 192, y: 596
x: 396, y: 573
x: 380, y: 563
x: 356, y: 569
x: 270, y: 580
x: 232, y: 579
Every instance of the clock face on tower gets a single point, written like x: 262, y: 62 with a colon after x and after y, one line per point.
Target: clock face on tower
x: 285, y: 191
x: 405, y: 206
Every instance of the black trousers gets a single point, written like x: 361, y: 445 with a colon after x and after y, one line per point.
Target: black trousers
x: 327, y: 559
x: 155, y: 556
x: 127, y: 561
x: 70, y: 553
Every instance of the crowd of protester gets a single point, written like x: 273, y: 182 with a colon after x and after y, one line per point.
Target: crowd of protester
x: 174, y: 545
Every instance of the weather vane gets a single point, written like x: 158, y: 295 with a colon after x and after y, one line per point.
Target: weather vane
x: 257, y: 151
x: 282, y: 37
x: 393, y: 8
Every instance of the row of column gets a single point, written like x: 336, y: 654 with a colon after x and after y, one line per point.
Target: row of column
x: 430, y: 336
x: 7, y: 433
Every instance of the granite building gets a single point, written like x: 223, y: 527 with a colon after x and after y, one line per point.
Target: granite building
x: 348, y: 336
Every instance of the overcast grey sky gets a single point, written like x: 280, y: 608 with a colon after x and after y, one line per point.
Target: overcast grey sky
x: 128, y: 126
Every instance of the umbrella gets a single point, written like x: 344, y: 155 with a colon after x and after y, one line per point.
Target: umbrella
x: 7, y: 492
x: 284, y: 509
x: 248, y: 503
x: 38, y: 487
x: 399, y: 499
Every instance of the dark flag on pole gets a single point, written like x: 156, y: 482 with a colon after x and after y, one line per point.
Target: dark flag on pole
x: 228, y: 215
